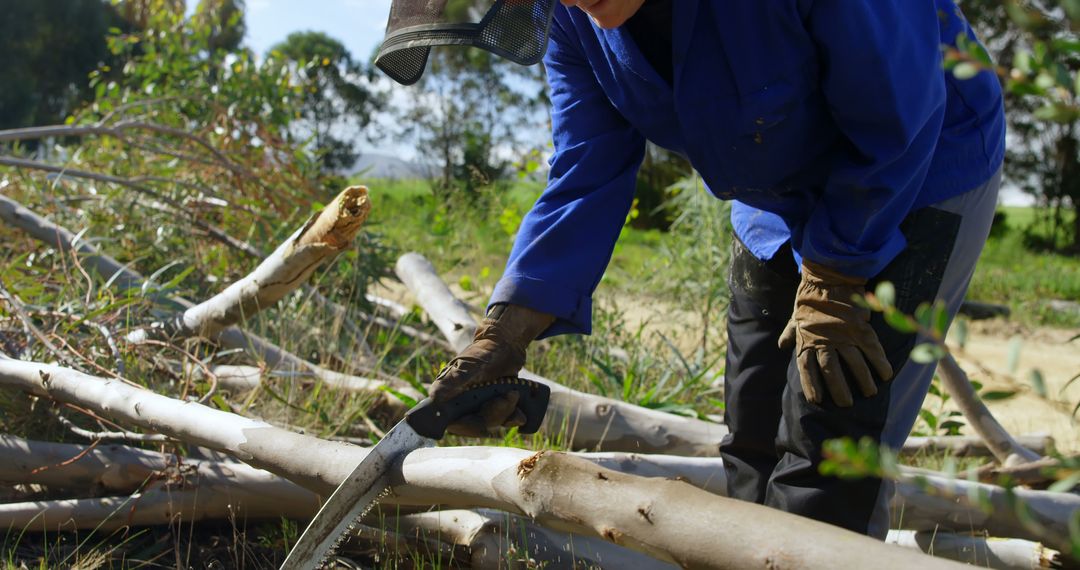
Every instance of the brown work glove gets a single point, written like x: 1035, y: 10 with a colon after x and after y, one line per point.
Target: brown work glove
x: 827, y: 328
x: 497, y: 351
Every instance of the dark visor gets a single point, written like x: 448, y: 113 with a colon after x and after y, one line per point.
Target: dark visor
x: 514, y: 29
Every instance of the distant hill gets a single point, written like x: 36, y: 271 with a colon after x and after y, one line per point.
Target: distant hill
x: 386, y: 167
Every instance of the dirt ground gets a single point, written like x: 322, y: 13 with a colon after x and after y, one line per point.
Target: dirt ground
x: 985, y: 359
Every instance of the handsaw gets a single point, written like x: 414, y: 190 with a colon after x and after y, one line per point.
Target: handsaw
x: 423, y: 425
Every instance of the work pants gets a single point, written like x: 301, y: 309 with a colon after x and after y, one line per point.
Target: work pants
x: 773, y: 452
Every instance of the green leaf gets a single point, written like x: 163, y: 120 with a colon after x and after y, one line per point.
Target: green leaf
x: 1012, y: 361
x: 960, y: 331
x: 1038, y: 382
x: 900, y: 321
x: 997, y: 395
x: 886, y: 294
x: 1066, y: 484
x: 1022, y: 61
x: 927, y: 352
x: 965, y: 70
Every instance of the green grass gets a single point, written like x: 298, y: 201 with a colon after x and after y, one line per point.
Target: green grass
x: 1013, y: 274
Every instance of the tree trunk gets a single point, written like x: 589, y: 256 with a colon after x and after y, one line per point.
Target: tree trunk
x: 585, y: 420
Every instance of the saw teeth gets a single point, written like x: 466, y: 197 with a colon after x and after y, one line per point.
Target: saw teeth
x: 351, y: 529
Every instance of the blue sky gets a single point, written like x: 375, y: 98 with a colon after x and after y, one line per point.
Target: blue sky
x: 359, y: 24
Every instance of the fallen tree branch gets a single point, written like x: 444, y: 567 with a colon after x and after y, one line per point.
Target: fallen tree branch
x: 587, y: 421
x: 489, y: 477
x: 970, y: 445
x: 931, y: 502
x: 996, y: 553
x: 275, y: 357
x: 1004, y: 447
x: 218, y: 492
x: 322, y: 237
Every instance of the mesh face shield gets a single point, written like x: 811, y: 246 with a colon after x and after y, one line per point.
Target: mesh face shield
x: 514, y: 29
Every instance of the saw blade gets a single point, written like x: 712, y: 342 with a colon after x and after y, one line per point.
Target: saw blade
x: 355, y: 496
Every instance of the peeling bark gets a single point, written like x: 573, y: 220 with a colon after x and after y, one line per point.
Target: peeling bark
x: 321, y: 238
x: 1004, y: 447
x: 587, y: 421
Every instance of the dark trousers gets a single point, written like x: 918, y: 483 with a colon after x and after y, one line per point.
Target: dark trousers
x: 772, y: 454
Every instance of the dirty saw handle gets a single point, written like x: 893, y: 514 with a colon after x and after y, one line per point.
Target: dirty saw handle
x: 430, y: 418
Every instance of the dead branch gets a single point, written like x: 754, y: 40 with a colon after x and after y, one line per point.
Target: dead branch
x: 1004, y: 447
x: 970, y: 445
x: 322, y: 237
x: 996, y: 553
x: 588, y: 421
x: 275, y: 357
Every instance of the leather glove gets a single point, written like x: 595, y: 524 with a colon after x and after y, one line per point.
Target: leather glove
x: 827, y: 328
x: 497, y: 351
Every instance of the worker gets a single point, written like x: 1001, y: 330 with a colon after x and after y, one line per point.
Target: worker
x: 850, y: 155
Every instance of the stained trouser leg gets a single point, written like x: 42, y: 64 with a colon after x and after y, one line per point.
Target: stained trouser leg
x: 944, y: 242
x: 762, y: 296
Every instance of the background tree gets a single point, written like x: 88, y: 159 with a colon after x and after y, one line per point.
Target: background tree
x: 1038, y: 53
x: 337, y: 103
x: 472, y: 117
x: 47, y: 48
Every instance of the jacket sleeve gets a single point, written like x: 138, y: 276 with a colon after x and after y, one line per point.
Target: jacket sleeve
x: 882, y: 77
x: 566, y: 240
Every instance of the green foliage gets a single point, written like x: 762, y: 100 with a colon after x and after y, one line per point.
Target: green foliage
x: 335, y: 97
x: 47, y: 48
x: 468, y: 117
x: 1041, y: 49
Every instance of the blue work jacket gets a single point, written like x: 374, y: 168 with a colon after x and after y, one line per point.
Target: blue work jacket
x: 827, y: 121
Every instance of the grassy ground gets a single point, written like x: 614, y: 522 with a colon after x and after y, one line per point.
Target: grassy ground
x: 474, y: 248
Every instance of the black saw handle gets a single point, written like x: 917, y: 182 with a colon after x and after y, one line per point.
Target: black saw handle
x: 430, y: 419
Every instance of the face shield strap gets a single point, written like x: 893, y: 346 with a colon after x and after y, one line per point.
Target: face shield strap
x: 513, y: 29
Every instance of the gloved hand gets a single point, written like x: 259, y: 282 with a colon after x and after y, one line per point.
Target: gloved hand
x: 827, y: 328
x: 497, y: 351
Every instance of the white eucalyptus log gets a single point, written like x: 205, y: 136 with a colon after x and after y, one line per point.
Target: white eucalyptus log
x: 981, y: 551
x: 321, y: 238
x: 555, y: 491
x: 971, y: 445
x: 932, y: 502
x: 1003, y: 445
x: 587, y: 421
x: 500, y: 540
x: 107, y: 467
x: 220, y: 491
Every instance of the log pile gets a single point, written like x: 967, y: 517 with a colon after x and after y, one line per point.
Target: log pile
x: 635, y: 488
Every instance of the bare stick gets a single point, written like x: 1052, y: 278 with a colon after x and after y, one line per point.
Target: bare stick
x: 590, y: 422
x: 1004, y: 447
